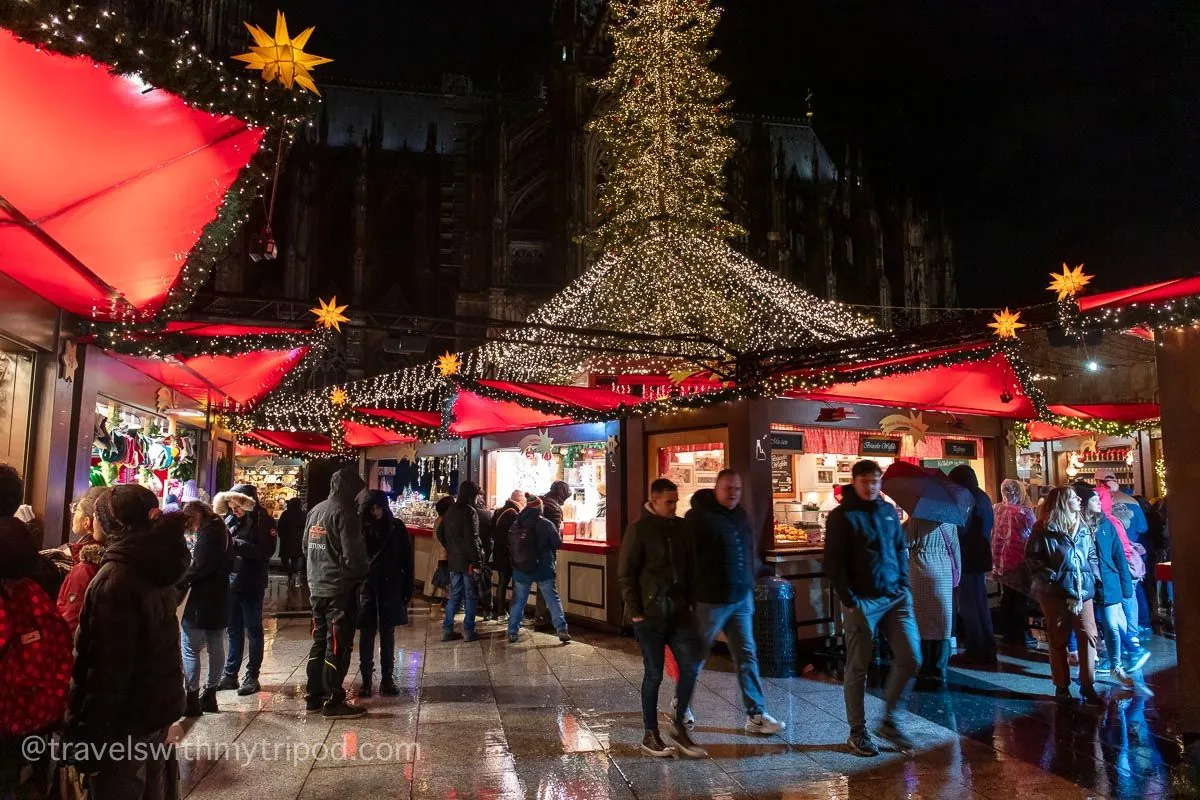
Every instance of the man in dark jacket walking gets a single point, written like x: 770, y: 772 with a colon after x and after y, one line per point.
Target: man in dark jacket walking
x: 459, y: 534
x: 127, y: 681
x: 656, y: 574
x: 254, y: 541
x: 502, y: 522
x: 337, y: 567
x: 975, y: 542
x: 866, y: 560
x: 725, y: 577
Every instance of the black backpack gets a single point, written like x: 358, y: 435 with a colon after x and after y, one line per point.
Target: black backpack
x: 522, y: 550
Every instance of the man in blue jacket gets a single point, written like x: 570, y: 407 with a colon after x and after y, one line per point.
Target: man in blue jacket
x: 866, y: 560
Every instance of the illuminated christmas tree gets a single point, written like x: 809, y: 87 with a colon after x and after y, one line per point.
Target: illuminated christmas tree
x: 665, y: 266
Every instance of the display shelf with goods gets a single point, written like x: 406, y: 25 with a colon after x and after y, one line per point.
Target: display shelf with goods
x: 276, y: 479
x: 534, y: 465
x: 414, y: 510
x: 131, y: 445
x: 1084, y: 463
x: 691, y: 467
x: 818, y: 480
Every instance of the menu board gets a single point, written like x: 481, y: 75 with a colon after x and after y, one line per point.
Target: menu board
x: 878, y: 446
x: 783, y: 476
x: 959, y: 448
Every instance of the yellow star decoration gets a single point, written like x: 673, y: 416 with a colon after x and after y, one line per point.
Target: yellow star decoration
x: 448, y: 364
x: 281, y: 57
x: 338, y: 396
x: 1007, y: 324
x: 330, y: 314
x: 1069, y: 283
x: 680, y: 375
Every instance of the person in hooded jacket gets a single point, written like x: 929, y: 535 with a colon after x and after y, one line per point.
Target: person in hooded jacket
x: 502, y: 522
x: 291, y: 540
x: 459, y: 534
x: 975, y: 543
x: 206, y: 611
x: 88, y: 551
x: 385, y: 594
x: 1113, y: 581
x: 1014, y: 522
x: 1062, y: 558
x: 726, y: 571
x: 535, y: 537
x: 866, y: 560
x: 127, y: 681
x: 552, y: 509
x: 254, y: 540
x: 337, y: 568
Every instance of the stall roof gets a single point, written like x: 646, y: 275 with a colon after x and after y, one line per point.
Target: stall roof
x: 369, y: 436
x: 966, y: 388
x: 475, y: 415
x: 113, y: 181
x: 1173, y: 289
x: 220, y: 381
x: 426, y: 419
x: 1112, y: 412
x: 293, y: 440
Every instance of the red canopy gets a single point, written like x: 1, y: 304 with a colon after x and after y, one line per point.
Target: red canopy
x: 1045, y: 432
x: 1113, y: 412
x: 579, y: 396
x: 1150, y: 293
x: 966, y: 388
x: 240, y: 380
x: 475, y: 415
x: 315, y: 443
x: 427, y: 419
x: 105, y: 183
x: 369, y: 436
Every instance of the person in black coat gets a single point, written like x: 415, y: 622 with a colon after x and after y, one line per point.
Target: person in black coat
x: 127, y: 681
x: 385, y: 595
x: 502, y: 521
x: 207, y: 610
x: 459, y: 534
x: 975, y: 543
x: 254, y: 540
x: 291, y: 540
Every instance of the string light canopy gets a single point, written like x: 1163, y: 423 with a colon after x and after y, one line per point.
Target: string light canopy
x: 147, y: 239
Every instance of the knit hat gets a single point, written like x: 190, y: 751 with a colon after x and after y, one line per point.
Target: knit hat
x: 1085, y: 491
x: 190, y: 493
x: 533, y: 501
x: 517, y: 497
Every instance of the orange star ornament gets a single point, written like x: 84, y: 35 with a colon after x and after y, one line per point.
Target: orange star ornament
x: 281, y: 57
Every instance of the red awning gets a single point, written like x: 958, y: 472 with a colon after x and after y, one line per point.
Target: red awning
x: 1045, y: 432
x: 579, y: 396
x: 240, y: 380
x: 967, y: 388
x: 475, y: 416
x: 1113, y: 412
x: 224, y: 329
x: 105, y: 183
x: 315, y: 443
x: 369, y: 436
x: 1150, y: 293
x: 426, y: 419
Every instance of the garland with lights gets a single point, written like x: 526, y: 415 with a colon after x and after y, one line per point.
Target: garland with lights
x: 419, y: 432
x: 186, y: 345
x: 286, y: 452
x: 177, y: 66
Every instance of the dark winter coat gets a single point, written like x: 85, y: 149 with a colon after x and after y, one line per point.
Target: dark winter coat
x: 866, y: 551
x: 254, y: 542
x: 1063, y: 565
x: 19, y: 557
x: 459, y: 534
x: 726, y: 564
x: 385, y: 594
x: 552, y: 503
x: 128, y: 677
x: 88, y: 554
x: 546, y: 542
x: 208, y: 577
x: 291, y: 529
x: 1115, y: 581
x: 657, y: 569
x: 337, y: 553
x: 975, y: 538
x: 502, y: 521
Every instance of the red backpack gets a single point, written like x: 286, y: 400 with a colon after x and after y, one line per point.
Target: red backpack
x: 35, y: 660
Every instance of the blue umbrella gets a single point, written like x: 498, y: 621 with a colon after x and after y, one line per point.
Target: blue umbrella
x: 927, y: 494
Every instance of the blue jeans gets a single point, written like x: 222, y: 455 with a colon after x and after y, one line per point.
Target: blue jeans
x: 194, y: 641
x: 1130, y: 606
x: 462, y: 590
x: 653, y: 638
x: 1114, y: 627
x: 547, y: 589
x: 737, y: 621
x: 245, y: 622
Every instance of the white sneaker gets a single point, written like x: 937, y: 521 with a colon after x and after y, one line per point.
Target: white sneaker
x: 763, y: 724
x: 689, y: 719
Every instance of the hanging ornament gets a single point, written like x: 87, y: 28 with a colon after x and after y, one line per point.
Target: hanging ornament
x: 330, y: 314
x: 1068, y: 283
x: 338, y: 396
x: 544, y: 444
x: 281, y: 57
x: 263, y: 246
x: 68, y: 360
x: 448, y: 364
x: 912, y: 423
x: 1007, y: 324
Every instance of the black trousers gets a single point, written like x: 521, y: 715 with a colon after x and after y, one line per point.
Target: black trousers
x: 500, y: 600
x: 333, y: 623
x: 1014, y: 614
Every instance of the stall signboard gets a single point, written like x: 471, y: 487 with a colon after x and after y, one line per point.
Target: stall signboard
x: 879, y: 446
x: 789, y: 442
x: 783, y: 477
x: 959, y: 448
x: 944, y: 464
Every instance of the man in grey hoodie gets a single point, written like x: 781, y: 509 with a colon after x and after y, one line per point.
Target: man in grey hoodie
x: 337, y: 567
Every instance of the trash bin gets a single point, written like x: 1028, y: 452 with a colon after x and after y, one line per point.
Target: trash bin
x: 775, y: 627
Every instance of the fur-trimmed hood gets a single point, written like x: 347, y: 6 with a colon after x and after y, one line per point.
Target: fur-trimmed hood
x: 224, y: 502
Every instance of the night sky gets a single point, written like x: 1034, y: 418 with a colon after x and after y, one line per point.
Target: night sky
x: 1048, y: 131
